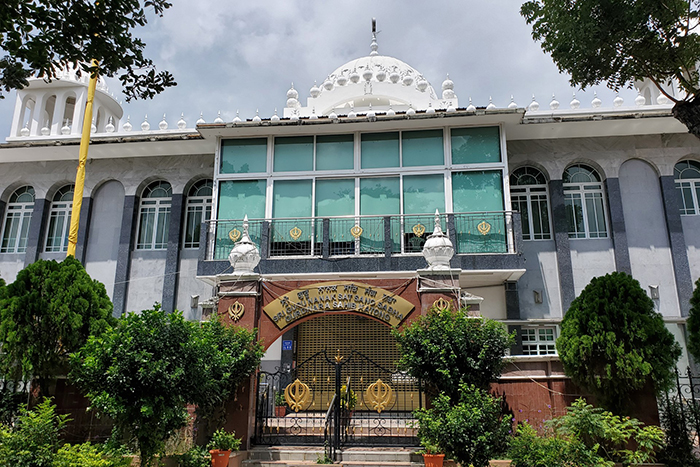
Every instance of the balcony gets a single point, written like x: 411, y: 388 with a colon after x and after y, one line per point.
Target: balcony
x: 485, y: 240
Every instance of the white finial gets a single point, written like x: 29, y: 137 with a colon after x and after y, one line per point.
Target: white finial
x: 244, y: 256
x: 352, y: 113
x: 430, y: 109
x: 163, y: 125
x: 554, y: 105
x: 354, y: 76
x: 374, y: 46
x: 411, y: 111
x: 491, y: 105
x: 333, y: 116
x: 237, y: 118
x: 218, y: 118
x: 314, y: 91
x: 181, y: 124
x: 371, y: 114
x: 662, y: 99
x: 93, y: 128
x: 313, y: 114
x: 127, y: 126
x: 596, y: 102
x: 575, y: 103
x: 512, y: 104
x: 257, y: 118
x: 342, y: 80
x: 109, y: 128
x: 534, y: 105
x: 328, y: 84
x: 380, y: 75
x: 391, y: 112
x: 25, y: 131
x: 639, y: 100
x: 471, y: 107
x: 451, y: 108
x: 145, y: 126
x: 438, y: 249
x: 367, y: 74
x: 618, y: 101
x: 200, y: 120
x: 45, y: 130
x: 275, y: 117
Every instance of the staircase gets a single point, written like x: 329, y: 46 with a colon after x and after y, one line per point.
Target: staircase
x: 288, y: 456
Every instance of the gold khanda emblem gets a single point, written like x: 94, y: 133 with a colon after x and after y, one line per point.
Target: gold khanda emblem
x: 484, y: 228
x: 441, y: 304
x: 418, y: 230
x: 356, y: 231
x: 234, y: 235
x: 236, y: 311
x: 295, y: 233
x: 298, y: 395
x: 378, y: 395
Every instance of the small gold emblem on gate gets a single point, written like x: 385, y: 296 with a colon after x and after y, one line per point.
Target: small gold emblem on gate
x: 236, y: 311
x: 418, y: 230
x: 484, y: 228
x: 356, y: 231
x: 298, y: 395
x: 295, y: 233
x: 378, y: 395
x: 234, y: 235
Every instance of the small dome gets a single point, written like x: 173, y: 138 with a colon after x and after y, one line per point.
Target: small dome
x: 371, y: 114
x: 380, y: 75
x: 367, y: 74
x: 491, y: 105
x: 200, y: 120
x: 448, y: 84
x: 451, y: 108
x: 394, y: 76
x: 328, y: 84
x: 554, y: 105
x: 354, y: 76
x: 292, y: 93
x: 352, y: 113
x: 163, y: 125
x: 218, y: 118
x: 109, y: 128
x: 512, y: 104
x: 257, y: 118
x: 237, y: 118
x: 639, y: 100
x: 470, y: 107
x: 45, y: 131
x: 534, y: 105
x: 411, y: 111
x: 145, y: 126
x: 181, y: 124
x: 25, y: 131
x: 407, y: 80
x: 342, y: 80
x: 662, y: 99
x: 333, y: 116
x: 575, y: 103
x: 422, y: 84
x: 313, y: 115
x: 391, y: 112
x: 618, y: 101
x: 314, y: 91
x: 125, y: 127
x: 294, y: 118
x: 292, y: 103
x: 596, y: 102
x: 275, y: 117
x: 430, y: 110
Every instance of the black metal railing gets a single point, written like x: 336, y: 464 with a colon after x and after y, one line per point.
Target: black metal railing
x: 471, y: 233
x: 685, y: 403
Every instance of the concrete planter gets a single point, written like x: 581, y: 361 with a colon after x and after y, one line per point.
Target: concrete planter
x: 236, y: 458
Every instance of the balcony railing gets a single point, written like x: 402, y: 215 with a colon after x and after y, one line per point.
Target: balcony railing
x: 471, y: 233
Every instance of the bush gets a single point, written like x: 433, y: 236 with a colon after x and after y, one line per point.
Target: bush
x: 528, y: 449
x: 197, y: 456
x: 693, y: 323
x: 613, y: 343
x: 34, y: 439
x: 676, y: 421
x: 87, y: 455
x: 224, y: 441
x: 447, y: 348
x: 471, y: 431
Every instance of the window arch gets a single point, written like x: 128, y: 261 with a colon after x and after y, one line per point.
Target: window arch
x: 687, y: 175
x: 154, y: 216
x: 15, y: 229
x: 59, y: 220
x: 584, y: 200
x: 197, y: 211
x: 528, y: 194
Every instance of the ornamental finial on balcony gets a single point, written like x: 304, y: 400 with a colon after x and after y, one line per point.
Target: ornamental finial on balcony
x: 438, y: 249
x: 244, y: 255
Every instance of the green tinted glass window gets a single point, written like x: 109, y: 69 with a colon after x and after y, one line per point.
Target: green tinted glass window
x: 292, y: 198
x: 240, y: 198
x: 478, y: 191
x: 422, y: 148
x: 294, y: 154
x: 335, y: 197
x: 380, y: 196
x: 380, y: 150
x: 335, y: 152
x: 423, y: 194
x: 239, y: 156
x: 475, y: 145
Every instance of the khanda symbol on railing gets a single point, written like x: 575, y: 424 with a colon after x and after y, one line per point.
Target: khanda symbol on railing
x: 378, y: 395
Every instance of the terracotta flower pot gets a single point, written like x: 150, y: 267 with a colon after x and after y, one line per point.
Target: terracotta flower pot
x: 280, y: 411
x: 219, y: 458
x: 433, y: 460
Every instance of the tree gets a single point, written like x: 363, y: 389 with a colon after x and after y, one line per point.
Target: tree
x: 693, y: 323
x: 613, y: 343
x: 42, y: 36
x: 143, y: 372
x: 447, y: 348
x: 47, y: 313
x: 619, y: 42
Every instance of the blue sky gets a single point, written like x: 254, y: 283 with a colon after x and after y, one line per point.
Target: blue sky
x: 228, y: 56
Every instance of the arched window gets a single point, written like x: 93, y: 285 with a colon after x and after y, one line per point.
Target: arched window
x: 59, y: 220
x: 585, y: 202
x: 528, y: 194
x: 687, y: 175
x: 15, y: 229
x: 198, y: 210
x: 154, y: 216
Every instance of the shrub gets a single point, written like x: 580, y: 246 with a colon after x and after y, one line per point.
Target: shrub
x: 447, y: 348
x: 613, y: 343
x: 471, y: 430
x: 34, y: 439
x: 528, y: 449
x: 693, y: 323
x: 197, y: 456
x: 87, y: 455
x: 224, y: 441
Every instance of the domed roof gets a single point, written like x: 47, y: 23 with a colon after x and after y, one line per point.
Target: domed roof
x: 377, y: 80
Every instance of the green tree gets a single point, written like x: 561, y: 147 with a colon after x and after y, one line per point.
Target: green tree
x: 143, y: 372
x: 613, y: 343
x: 447, y: 348
x: 47, y: 313
x: 42, y: 36
x: 693, y: 323
x: 618, y: 42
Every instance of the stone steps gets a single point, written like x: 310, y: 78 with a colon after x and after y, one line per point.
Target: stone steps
x: 352, y: 457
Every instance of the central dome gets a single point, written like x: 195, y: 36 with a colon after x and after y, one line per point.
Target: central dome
x: 376, y: 82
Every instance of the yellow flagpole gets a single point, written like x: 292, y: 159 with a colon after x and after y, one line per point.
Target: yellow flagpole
x: 80, y: 175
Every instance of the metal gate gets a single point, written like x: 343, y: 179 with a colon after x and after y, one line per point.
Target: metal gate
x: 337, y: 400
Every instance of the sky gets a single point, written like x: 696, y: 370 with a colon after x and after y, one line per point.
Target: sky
x: 242, y: 56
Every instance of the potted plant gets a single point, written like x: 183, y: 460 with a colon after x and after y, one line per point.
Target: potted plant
x: 429, y: 438
x: 220, y: 447
x: 348, y: 399
x: 280, y: 405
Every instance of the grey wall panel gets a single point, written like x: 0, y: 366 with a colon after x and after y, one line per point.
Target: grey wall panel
x: 589, y: 259
x: 561, y: 240
x: 145, y: 279
x: 189, y: 285
x: 102, y: 251
x: 691, y: 233
x: 172, y: 261
x: 37, y: 228
x: 542, y: 276
x: 126, y: 236
x: 617, y: 225
x: 83, y: 229
x: 650, y: 252
x: 10, y: 265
